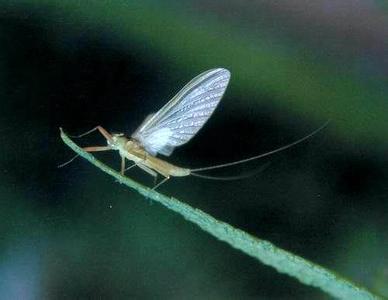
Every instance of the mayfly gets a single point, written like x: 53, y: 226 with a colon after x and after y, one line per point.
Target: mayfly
x: 174, y: 125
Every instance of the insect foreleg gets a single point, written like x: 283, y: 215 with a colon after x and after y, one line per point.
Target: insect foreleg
x: 87, y: 149
x: 105, y: 133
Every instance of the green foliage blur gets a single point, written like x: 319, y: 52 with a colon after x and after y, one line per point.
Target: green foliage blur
x: 73, y: 233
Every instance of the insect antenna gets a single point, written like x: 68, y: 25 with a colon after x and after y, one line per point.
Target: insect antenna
x: 230, y: 178
x: 263, y: 154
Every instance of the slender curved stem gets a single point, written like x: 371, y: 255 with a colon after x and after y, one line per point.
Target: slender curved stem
x: 284, y: 262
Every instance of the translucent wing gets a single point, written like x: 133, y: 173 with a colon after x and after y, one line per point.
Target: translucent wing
x: 184, y: 115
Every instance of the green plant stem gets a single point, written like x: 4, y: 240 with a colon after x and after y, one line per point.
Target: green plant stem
x: 264, y: 251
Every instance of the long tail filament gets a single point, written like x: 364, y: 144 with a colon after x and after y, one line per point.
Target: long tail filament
x: 263, y: 154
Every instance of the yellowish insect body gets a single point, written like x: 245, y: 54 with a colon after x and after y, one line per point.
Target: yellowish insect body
x: 132, y: 150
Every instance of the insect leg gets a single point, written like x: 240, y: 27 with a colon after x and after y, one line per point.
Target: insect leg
x: 160, y: 183
x: 97, y: 148
x: 155, y: 179
x: 154, y: 174
x: 87, y: 149
x: 105, y: 133
x: 122, y: 165
x: 83, y: 134
x: 147, y: 170
x: 130, y: 167
x: 67, y: 162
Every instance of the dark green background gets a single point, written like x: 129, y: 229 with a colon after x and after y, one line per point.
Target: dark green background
x: 73, y: 233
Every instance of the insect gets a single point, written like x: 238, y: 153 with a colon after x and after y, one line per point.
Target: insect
x: 174, y: 125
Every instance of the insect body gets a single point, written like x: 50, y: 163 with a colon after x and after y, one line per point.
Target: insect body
x: 132, y: 150
x: 174, y: 125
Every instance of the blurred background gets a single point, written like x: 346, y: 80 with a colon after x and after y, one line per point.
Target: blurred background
x: 73, y: 233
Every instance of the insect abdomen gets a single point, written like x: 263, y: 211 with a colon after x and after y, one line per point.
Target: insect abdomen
x: 165, y: 168
x: 179, y: 172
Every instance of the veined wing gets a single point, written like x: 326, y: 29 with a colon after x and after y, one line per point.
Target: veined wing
x: 184, y: 115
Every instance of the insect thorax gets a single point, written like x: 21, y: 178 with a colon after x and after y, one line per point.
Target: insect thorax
x: 129, y: 148
x: 118, y: 141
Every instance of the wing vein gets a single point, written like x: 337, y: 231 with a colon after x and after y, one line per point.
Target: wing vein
x: 185, y: 114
